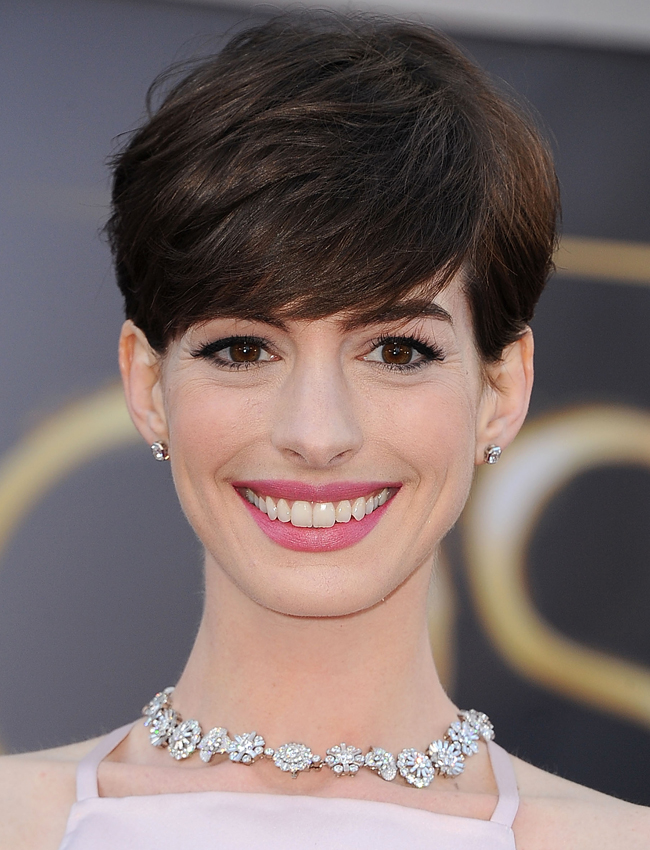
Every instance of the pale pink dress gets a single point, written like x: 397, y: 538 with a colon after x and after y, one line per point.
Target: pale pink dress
x: 212, y: 820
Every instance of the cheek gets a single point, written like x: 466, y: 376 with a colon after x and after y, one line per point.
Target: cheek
x: 208, y: 429
x: 433, y: 429
x: 434, y: 433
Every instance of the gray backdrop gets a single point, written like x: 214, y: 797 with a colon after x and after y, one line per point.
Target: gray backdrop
x: 100, y: 580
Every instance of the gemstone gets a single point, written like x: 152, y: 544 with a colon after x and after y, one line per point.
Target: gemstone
x: 344, y: 760
x: 466, y: 735
x: 184, y: 739
x: 481, y: 722
x: 161, y: 727
x: 159, y: 451
x: 215, y: 742
x: 382, y: 762
x: 160, y: 701
x: 246, y: 748
x: 446, y: 757
x: 293, y: 757
x: 416, y: 768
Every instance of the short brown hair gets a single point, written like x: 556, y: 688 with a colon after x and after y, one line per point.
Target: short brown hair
x: 327, y: 163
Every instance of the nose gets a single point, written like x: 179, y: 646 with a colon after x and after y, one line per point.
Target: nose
x: 316, y: 423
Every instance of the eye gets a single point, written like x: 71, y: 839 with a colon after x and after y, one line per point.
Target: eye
x: 246, y: 351
x: 397, y: 353
x: 403, y: 353
x: 236, y: 352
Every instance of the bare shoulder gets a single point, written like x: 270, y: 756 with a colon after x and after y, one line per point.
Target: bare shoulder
x: 555, y: 812
x: 36, y: 793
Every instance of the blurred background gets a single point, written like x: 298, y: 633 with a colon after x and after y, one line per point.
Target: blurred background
x: 539, y: 615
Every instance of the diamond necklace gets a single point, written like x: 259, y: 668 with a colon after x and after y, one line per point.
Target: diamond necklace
x: 444, y: 757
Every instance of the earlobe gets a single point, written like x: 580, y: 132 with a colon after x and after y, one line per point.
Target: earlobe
x: 140, y: 368
x: 506, y: 396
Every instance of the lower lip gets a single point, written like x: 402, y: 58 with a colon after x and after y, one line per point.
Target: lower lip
x: 338, y: 536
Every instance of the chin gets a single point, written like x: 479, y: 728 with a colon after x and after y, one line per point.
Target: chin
x: 318, y: 589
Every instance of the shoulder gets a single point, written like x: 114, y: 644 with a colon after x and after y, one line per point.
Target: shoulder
x: 555, y: 812
x: 36, y: 793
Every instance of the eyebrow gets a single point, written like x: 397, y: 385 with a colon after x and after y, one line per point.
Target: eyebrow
x: 412, y: 309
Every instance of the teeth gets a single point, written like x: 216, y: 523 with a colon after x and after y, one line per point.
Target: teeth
x: 284, y: 511
x: 359, y: 508
x: 324, y: 514
x: 271, y: 508
x: 301, y: 514
x: 318, y: 514
x: 344, y: 511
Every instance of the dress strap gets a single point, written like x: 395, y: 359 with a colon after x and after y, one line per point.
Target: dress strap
x: 87, y: 767
x: 504, y: 775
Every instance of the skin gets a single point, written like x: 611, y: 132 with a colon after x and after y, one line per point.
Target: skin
x: 321, y: 647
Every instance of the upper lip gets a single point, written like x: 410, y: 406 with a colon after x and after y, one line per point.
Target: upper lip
x: 298, y: 491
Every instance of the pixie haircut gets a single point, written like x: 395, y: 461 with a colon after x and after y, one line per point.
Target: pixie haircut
x: 326, y: 164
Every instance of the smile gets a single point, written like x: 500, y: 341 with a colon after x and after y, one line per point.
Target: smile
x: 310, y: 518
x: 306, y: 514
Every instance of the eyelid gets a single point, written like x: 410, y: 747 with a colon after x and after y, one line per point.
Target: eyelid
x: 209, y: 350
x: 429, y: 352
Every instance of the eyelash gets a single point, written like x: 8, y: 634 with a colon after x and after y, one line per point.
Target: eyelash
x: 212, y: 349
x: 428, y: 352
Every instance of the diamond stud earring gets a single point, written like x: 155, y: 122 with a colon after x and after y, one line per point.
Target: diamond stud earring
x: 492, y: 454
x: 159, y: 450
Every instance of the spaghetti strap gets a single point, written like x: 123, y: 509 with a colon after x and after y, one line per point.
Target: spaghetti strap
x: 87, y: 767
x: 504, y: 775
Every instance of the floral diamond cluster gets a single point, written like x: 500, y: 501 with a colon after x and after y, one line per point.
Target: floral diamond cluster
x: 344, y: 760
x: 443, y: 757
x: 294, y: 758
x: 158, y: 703
x: 446, y: 757
x: 246, y: 748
x: 461, y: 739
x: 480, y: 721
x: 214, y: 743
x: 382, y: 762
x: 416, y: 767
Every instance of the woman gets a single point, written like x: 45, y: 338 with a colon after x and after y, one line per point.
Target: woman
x: 330, y: 240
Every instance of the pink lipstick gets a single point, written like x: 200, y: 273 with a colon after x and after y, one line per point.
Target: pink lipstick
x: 316, y: 518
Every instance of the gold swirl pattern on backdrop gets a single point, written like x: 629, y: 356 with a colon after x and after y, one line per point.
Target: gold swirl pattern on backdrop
x: 608, y: 260
x: 59, y: 445
x: 507, y: 501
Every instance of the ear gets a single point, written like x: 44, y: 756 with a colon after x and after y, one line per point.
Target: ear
x: 140, y: 367
x: 506, y: 396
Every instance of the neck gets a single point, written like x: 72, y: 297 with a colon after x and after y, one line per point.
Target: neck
x: 366, y: 678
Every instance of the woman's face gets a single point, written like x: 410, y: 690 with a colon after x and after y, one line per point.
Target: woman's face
x: 327, y: 421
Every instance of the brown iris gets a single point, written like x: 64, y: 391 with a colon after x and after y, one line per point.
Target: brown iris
x: 397, y: 353
x: 245, y: 351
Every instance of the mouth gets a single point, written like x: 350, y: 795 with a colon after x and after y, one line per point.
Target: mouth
x: 303, y: 514
x: 302, y: 518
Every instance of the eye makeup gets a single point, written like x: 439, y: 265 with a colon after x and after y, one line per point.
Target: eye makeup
x: 244, y: 351
x: 403, y: 353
